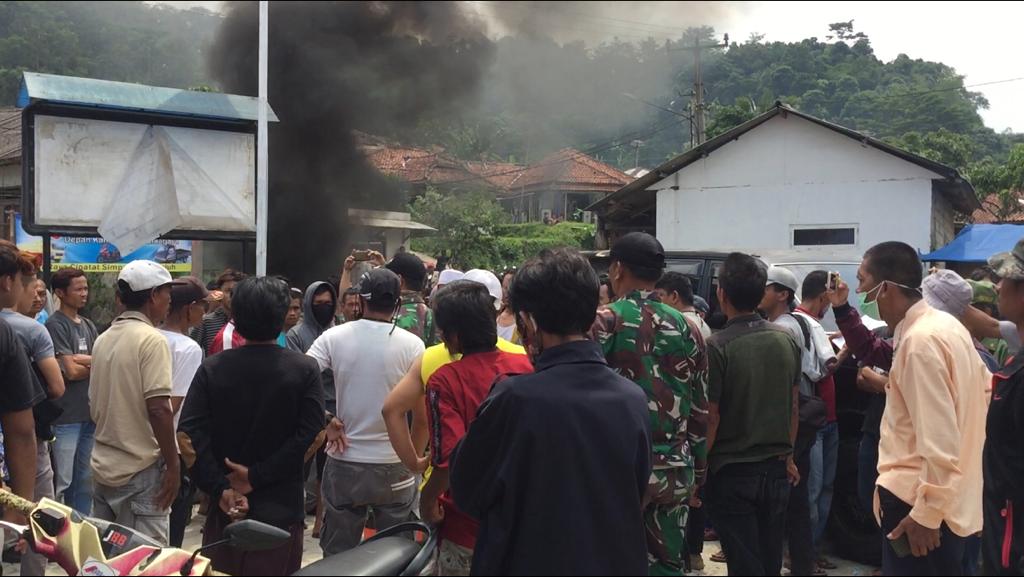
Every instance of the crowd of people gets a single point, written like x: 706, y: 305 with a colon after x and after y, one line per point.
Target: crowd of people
x: 547, y: 420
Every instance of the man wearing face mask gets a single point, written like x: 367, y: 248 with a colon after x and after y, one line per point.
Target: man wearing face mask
x: 651, y: 343
x: 929, y: 465
x: 317, y: 316
x: 368, y: 357
x: 318, y: 308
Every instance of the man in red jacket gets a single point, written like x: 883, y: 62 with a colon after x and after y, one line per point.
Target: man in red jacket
x: 464, y: 311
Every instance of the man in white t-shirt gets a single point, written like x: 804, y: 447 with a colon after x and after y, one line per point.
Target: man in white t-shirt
x: 780, y: 306
x: 368, y: 358
x: 188, y: 305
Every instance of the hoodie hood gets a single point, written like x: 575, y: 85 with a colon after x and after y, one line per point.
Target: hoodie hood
x: 302, y: 336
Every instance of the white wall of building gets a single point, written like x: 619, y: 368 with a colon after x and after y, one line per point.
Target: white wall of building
x: 789, y: 172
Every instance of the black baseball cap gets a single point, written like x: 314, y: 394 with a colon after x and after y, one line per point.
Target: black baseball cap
x: 380, y: 285
x: 639, y: 249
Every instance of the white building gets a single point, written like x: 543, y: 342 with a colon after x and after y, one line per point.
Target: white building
x: 785, y: 181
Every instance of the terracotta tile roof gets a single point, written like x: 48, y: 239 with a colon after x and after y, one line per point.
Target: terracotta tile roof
x: 570, y: 169
x: 500, y: 175
x: 10, y: 135
x: 418, y: 166
x: 989, y: 213
x: 567, y: 169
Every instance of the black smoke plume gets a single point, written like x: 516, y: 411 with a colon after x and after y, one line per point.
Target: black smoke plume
x: 335, y: 67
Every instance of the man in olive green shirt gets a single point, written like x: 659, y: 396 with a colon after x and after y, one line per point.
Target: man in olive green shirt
x: 135, y: 460
x: 753, y: 392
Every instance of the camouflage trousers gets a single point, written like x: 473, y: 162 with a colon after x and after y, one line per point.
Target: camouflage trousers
x: 665, y: 520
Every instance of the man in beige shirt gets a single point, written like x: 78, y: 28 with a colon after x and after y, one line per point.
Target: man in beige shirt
x: 135, y: 460
x: 928, y: 498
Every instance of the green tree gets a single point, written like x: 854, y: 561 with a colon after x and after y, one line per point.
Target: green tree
x: 723, y: 118
x: 949, y: 148
x: 999, y: 186
x: 844, y: 31
x: 473, y: 232
x: 465, y: 227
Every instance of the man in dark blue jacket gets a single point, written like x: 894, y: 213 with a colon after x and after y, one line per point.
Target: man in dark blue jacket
x: 557, y: 463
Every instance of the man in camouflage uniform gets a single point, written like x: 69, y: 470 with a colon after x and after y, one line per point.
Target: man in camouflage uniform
x: 651, y: 344
x: 414, y: 315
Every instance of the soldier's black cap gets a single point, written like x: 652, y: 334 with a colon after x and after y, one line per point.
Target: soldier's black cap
x: 639, y: 249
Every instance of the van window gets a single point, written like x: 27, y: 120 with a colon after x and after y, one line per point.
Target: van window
x: 691, y: 268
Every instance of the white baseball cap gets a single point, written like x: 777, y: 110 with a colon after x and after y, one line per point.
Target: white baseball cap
x: 449, y: 275
x: 143, y: 275
x: 784, y: 278
x: 486, y: 278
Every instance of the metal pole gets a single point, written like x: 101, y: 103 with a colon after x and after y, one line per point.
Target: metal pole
x: 262, y: 203
x: 698, y: 92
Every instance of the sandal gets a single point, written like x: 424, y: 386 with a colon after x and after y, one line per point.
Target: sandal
x: 719, y: 557
x: 826, y: 564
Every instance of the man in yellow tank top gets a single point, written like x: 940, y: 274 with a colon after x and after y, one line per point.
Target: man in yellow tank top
x: 409, y: 396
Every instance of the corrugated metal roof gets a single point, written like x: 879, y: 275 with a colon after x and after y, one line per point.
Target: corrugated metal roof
x: 385, y: 219
x: 37, y: 87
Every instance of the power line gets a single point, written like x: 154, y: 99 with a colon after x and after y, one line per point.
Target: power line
x: 951, y: 88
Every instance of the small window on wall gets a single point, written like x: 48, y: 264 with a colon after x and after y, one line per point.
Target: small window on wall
x: 825, y: 236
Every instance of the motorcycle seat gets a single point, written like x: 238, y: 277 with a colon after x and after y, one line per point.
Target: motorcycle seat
x: 386, y: 556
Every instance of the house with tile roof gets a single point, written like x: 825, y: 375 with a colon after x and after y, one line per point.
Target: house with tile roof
x: 995, y: 210
x: 560, y: 186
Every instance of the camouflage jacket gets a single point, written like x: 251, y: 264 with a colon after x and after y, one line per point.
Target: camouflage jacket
x: 651, y: 344
x: 417, y: 318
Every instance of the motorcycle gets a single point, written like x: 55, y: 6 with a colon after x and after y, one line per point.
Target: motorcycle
x: 87, y: 546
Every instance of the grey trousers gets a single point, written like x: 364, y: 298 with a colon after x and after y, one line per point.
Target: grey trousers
x: 34, y: 563
x: 351, y: 491
x: 134, y: 505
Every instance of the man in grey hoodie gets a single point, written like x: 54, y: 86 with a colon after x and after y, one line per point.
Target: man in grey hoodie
x: 317, y: 316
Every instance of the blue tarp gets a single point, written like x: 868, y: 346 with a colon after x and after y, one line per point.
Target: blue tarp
x: 977, y: 242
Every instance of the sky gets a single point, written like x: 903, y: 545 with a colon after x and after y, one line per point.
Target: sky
x: 979, y: 39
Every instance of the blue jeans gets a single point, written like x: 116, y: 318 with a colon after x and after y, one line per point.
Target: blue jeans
x: 72, y: 453
x: 867, y: 471
x: 824, y: 460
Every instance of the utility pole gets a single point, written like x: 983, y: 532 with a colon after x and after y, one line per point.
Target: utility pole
x: 262, y: 201
x: 698, y: 85
x: 636, y: 145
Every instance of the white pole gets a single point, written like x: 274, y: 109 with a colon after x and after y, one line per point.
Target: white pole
x: 261, y: 151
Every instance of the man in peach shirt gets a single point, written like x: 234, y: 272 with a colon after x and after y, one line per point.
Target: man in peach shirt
x: 930, y: 481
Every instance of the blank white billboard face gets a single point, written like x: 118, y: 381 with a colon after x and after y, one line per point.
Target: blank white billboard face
x: 86, y: 170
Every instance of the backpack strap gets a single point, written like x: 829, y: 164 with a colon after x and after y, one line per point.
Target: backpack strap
x: 805, y: 328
